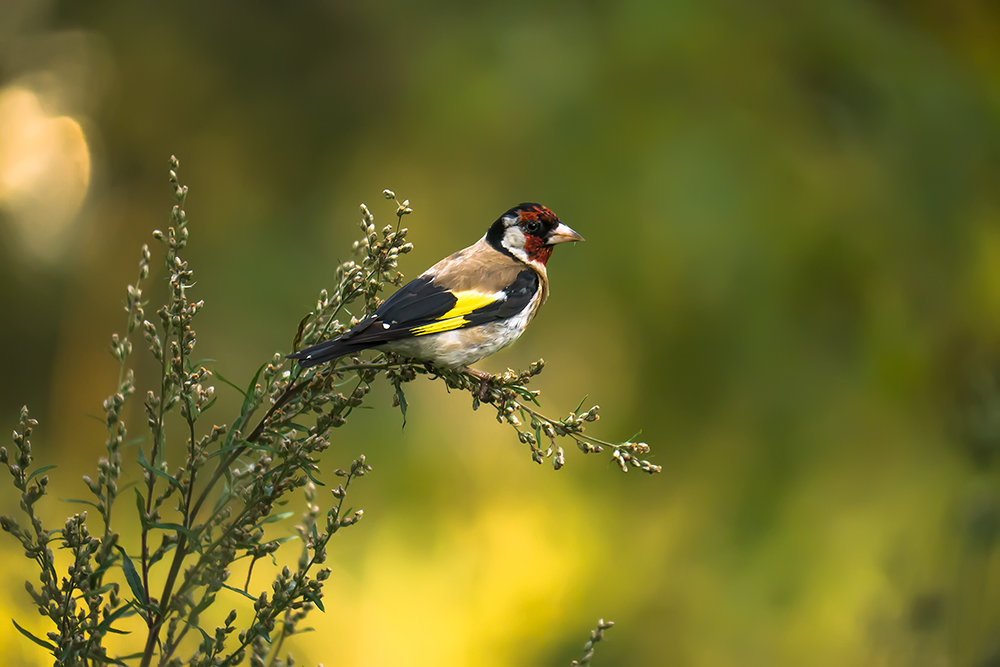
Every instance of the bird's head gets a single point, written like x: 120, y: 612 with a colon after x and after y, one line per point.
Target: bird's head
x: 529, y: 232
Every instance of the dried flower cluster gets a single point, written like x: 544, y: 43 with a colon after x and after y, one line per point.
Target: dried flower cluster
x: 197, y: 516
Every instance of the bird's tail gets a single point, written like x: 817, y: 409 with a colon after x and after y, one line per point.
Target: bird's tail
x: 325, y: 351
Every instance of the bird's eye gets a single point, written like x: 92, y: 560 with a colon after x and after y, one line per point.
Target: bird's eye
x: 532, y: 226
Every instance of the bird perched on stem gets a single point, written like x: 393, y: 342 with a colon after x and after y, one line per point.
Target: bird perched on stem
x: 467, y: 306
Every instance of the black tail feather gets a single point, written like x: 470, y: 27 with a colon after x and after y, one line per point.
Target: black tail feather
x: 325, y: 351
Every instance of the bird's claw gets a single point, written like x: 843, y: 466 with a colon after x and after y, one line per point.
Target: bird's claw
x: 484, y: 389
x: 484, y: 383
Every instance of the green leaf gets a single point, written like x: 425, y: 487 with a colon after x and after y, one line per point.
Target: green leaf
x: 68, y: 655
x: 82, y: 502
x: 205, y: 603
x: 298, y: 334
x: 248, y: 397
x: 203, y: 633
x: 159, y: 473
x: 282, y: 540
x: 105, y: 625
x: 132, y: 656
x: 312, y: 478
x: 237, y: 590
x: 280, y: 516
x: 312, y: 597
x: 401, y: 397
x: 635, y: 436
x: 119, y: 632
x: 191, y: 535
x: 132, y: 576
x: 243, y: 445
x: 140, y: 505
x: 245, y: 409
x: 158, y: 555
x: 99, y: 591
x: 39, y: 472
x: 582, y: 401
x: 229, y: 382
x: 40, y: 642
x: 525, y: 393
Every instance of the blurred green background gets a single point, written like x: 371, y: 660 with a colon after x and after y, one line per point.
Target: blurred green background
x: 791, y: 283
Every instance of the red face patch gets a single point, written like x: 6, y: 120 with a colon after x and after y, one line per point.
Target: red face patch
x: 536, y: 249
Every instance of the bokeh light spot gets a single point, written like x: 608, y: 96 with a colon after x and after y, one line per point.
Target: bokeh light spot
x: 44, y: 173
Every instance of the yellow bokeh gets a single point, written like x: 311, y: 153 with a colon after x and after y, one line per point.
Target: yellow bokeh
x: 44, y: 172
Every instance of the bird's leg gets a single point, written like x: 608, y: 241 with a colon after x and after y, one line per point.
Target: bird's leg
x: 484, y: 381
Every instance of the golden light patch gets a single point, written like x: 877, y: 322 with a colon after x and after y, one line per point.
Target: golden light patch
x: 44, y: 171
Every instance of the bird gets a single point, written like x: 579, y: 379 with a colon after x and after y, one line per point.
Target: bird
x: 467, y: 306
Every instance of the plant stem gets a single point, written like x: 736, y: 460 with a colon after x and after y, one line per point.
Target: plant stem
x: 181, y: 551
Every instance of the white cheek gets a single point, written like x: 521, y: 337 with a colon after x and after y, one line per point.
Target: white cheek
x: 513, y: 240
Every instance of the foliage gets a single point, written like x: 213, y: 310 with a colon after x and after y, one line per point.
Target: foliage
x: 211, y: 510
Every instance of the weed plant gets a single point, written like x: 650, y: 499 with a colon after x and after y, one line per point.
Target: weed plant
x: 196, y: 519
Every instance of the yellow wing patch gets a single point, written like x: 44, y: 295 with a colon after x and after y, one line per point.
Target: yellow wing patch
x: 442, y: 325
x: 467, y: 301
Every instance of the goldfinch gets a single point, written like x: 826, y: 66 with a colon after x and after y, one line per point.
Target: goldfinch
x: 467, y: 306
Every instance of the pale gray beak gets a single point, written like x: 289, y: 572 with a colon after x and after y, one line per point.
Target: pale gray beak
x: 561, y: 234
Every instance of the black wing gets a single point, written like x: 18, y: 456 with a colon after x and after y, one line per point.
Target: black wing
x: 421, y: 308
